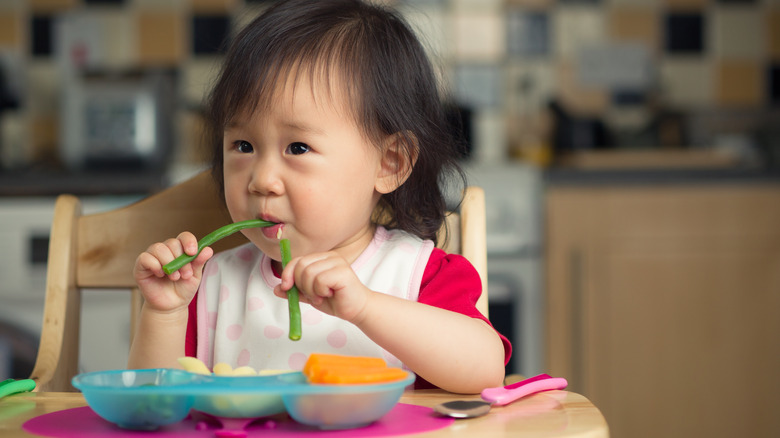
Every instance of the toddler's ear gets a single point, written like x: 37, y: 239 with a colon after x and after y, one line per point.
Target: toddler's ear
x: 398, y: 158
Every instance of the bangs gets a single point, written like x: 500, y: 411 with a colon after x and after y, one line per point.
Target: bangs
x: 259, y: 72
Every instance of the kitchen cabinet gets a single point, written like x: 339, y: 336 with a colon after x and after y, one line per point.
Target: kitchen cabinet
x: 663, y: 304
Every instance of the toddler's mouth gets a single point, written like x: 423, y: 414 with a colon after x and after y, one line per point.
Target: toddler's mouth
x: 274, y: 231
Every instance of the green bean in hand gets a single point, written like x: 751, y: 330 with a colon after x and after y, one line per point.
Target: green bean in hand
x: 292, y: 295
x: 212, y: 237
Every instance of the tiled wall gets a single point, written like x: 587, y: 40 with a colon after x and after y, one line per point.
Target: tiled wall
x: 504, y: 59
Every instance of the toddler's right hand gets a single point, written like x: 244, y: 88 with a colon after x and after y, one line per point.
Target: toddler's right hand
x: 175, y: 291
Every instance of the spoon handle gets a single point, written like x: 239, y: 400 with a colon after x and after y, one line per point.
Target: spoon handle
x: 504, y: 395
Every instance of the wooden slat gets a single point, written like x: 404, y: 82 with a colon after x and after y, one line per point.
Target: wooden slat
x: 58, y: 351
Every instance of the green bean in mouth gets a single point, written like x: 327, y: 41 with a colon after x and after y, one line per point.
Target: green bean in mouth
x: 293, y: 303
x: 212, y: 237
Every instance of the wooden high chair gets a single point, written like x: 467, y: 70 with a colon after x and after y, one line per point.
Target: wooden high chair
x: 99, y: 251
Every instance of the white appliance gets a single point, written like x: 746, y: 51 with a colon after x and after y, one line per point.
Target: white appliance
x: 513, y: 201
x: 24, y: 233
x: 118, y: 119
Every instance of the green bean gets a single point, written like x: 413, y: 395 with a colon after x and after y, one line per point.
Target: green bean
x: 12, y: 386
x: 212, y: 237
x: 292, y: 295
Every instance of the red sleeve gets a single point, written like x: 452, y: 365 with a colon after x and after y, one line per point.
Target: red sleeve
x: 450, y: 282
x: 191, y: 339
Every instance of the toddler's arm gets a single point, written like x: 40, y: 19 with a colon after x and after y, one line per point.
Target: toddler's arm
x: 162, y: 323
x: 450, y: 350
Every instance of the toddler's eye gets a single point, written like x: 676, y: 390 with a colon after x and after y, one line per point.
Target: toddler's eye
x: 244, y: 147
x: 297, y: 148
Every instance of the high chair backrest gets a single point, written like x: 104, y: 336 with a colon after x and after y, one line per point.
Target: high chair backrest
x: 99, y: 251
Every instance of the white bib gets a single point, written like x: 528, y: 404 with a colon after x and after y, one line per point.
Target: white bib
x: 241, y: 322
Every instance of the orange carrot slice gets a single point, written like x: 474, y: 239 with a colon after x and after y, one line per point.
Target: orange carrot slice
x: 347, y: 375
x: 338, y: 369
x: 321, y: 361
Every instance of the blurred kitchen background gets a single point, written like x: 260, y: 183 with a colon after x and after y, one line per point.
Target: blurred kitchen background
x: 630, y: 151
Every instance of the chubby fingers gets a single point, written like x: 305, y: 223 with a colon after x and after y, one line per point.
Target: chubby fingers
x: 161, y: 253
x: 317, y: 276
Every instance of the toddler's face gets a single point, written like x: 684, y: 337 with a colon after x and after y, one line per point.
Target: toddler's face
x: 303, y: 163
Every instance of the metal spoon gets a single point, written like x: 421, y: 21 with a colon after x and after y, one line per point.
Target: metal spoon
x: 500, y: 396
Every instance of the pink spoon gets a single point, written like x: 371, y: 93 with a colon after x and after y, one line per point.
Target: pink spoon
x: 500, y: 396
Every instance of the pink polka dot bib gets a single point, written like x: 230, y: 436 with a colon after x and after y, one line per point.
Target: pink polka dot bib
x: 241, y: 322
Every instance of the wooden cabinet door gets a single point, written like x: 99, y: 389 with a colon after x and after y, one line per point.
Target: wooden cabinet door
x: 664, y: 306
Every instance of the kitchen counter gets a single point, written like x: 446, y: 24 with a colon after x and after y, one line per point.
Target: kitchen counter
x: 56, y: 182
x: 596, y: 177
x: 637, y: 167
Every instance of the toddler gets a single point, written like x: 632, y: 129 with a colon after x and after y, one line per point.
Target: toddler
x: 326, y: 119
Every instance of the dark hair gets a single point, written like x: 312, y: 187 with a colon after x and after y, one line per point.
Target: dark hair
x: 391, y: 85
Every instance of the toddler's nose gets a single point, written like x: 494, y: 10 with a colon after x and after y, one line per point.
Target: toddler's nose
x: 266, y: 180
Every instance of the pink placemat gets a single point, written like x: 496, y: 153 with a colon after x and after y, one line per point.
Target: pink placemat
x: 80, y: 422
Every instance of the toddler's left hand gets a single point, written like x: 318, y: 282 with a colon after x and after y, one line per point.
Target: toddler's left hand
x: 327, y: 282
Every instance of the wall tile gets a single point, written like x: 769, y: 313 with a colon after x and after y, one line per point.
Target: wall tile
x: 43, y: 87
x: 104, y: 2
x: 431, y: 28
x: 687, y: 82
x: 528, y: 33
x: 740, y: 83
x: 40, y: 6
x: 529, y: 86
x: 532, y: 4
x: 684, y: 33
x: 644, y: 3
x: 213, y: 6
x: 686, y: 4
x: 401, y: 3
x: 635, y: 24
x: 10, y: 29
x: 120, y: 44
x: 737, y: 33
x: 161, y: 39
x: 773, y: 78
x: 197, y: 75
x: 41, y: 35
x: 575, y: 27
x: 191, y: 137
x: 477, y: 5
x: 247, y: 13
x: 167, y: 5
x: 209, y: 33
x: 45, y: 137
x: 478, y: 36
x: 478, y: 85
x: 574, y: 96
x: 772, y: 26
x: 490, y: 136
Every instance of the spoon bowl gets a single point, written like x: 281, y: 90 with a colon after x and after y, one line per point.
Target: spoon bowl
x: 463, y: 408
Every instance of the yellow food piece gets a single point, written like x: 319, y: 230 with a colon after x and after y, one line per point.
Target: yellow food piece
x: 271, y: 372
x: 242, y: 371
x: 223, y: 369
x: 194, y: 365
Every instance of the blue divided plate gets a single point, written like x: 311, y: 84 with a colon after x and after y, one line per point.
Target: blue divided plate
x: 147, y: 399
